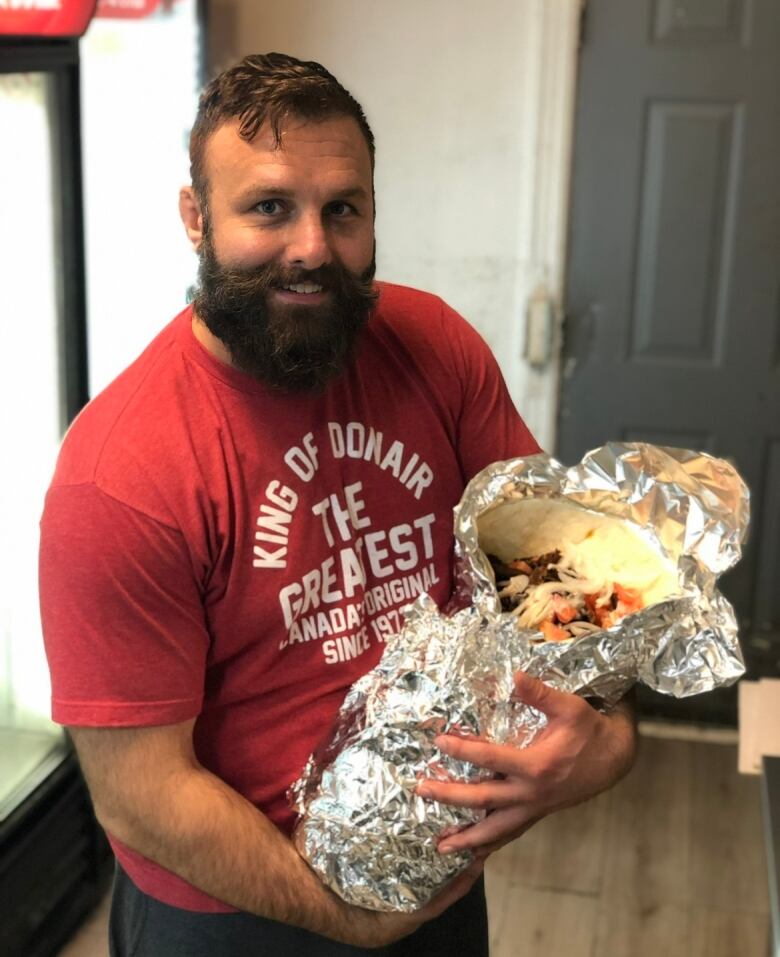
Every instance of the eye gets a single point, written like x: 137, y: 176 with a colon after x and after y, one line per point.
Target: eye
x: 340, y: 208
x: 269, y: 207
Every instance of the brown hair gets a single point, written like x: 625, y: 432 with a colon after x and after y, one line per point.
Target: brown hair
x: 268, y: 87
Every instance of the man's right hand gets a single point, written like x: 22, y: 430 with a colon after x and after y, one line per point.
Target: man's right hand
x: 366, y: 928
x: 150, y: 792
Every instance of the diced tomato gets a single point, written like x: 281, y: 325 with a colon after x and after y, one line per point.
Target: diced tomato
x: 564, y: 610
x: 601, y: 614
x: 590, y: 604
x: 629, y: 600
x: 552, y: 632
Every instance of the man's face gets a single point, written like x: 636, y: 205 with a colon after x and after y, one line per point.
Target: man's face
x: 287, y: 257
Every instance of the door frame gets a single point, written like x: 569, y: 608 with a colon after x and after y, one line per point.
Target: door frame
x: 549, y: 127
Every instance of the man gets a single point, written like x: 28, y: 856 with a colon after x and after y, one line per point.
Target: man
x: 234, y: 525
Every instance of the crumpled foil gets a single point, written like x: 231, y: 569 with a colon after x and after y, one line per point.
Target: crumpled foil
x: 362, y: 827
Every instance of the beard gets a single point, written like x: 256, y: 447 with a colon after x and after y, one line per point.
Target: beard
x: 292, y: 348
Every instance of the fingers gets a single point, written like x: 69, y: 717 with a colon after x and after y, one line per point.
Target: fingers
x: 525, y: 775
x: 484, y: 795
x: 492, y: 833
x: 499, y: 758
x: 550, y: 701
x: 375, y: 929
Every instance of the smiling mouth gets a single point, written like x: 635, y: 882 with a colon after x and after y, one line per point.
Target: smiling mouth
x: 304, y: 288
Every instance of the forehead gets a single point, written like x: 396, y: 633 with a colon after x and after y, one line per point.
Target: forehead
x: 330, y: 153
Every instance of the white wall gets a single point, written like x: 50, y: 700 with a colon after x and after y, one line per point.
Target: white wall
x: 471, y: 108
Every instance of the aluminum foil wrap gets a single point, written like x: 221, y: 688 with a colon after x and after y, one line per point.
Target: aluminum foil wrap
x: 362, y: 827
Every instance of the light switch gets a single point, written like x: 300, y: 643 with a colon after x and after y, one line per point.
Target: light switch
x: 539, y: 329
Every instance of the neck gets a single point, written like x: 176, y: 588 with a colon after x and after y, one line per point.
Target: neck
x: 209, y: 341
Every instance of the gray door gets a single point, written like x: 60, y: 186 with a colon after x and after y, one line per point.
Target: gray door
x: 673, y: 292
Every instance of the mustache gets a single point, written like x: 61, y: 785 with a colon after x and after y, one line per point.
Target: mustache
x: 231, y: 286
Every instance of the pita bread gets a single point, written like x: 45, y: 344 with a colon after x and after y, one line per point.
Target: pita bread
x: 603, y: 548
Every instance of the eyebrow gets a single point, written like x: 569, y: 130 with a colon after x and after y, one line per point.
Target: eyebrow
x: 352, y: 192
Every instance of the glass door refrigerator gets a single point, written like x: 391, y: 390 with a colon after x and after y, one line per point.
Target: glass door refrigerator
x: 53, y: 857
x: 61, y: 94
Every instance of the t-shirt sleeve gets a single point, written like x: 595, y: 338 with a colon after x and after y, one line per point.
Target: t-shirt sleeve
x: 122, y: 615
x: 489, y: 427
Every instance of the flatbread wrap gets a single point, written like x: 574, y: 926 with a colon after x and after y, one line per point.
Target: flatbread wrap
x: 566, y: 571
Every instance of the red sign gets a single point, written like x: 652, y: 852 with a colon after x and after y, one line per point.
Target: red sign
x: 125, y: 9
x: 45, y: 18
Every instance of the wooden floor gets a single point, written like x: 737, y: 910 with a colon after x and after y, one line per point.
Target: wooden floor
x: 668, y: 864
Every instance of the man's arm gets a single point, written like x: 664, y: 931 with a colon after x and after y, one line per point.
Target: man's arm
x: 150, y: 792
x: 580, y: 753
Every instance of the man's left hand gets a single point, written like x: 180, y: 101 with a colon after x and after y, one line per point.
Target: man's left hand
x: 580, y: 753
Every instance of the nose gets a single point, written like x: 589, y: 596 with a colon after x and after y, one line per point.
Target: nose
x: 308, y: 246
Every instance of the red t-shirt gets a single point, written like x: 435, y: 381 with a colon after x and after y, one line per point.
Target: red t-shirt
x: 213, y: 549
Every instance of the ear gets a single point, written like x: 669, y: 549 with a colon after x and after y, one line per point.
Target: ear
x: 191, y: 216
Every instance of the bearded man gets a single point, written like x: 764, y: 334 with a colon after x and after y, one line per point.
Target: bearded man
x: 234, y: 524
